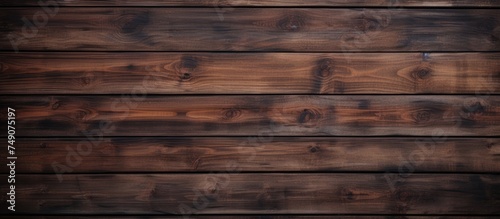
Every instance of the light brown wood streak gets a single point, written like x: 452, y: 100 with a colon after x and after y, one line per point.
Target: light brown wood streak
x: 221, y: 193
x: 261, y: 73
x: 263, y: 154
x: 354, y: 115
x: 253, y: 29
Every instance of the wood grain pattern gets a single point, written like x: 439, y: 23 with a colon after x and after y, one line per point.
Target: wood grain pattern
x: 250, y: 73
x: 295, y: 3
x: 299, y: 109
x: 258, y: 194
x: 257, y: 154
x: 250, y: 29
x: 253, y: 217
x: 139, y: 115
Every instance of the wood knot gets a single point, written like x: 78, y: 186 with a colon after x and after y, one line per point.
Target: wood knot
x: 56, y: 105
x: 132, y: 23
x: 131, y: 67
x: 314, y: 148
x: 291, y: 23
x: 186, y: 77
x: 324, y: 68
x: 422, y: 116
x: 308, y: 116
x: 490, y: 145
x: 43, y: 145
x: 406, y: 196
x: 347, y: 194
x: 82, y: 114
x: 404, y: 199
x: 212, y: 189
x: 421, y: 73
x: 368, y: 22
x: 87, y: 79
x: 473, y: 108
x: 187, y: 66
x: 403, y: 196
x: 228, y: 114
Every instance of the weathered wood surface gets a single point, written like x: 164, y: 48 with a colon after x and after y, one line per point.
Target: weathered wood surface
x: 353, y: 115
x: 221, y: 193
x: 258, y: 3
x: 257, y: 154
x: 249, y: 29
x: 250, y: 73
x: 253, y: 108
x: 267, y: 216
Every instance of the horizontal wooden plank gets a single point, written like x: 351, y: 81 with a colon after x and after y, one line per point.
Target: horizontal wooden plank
x: 38, y: 155
x: 249, y: 29
x: 139, y: 115
x: 257, y: 3
x: 222, y: 193
x: 267, y: 216
x: 250, y: 73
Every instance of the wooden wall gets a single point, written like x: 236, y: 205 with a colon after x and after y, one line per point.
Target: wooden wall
x: 252, y: 108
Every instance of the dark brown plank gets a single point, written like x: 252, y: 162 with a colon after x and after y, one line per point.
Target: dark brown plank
x: 250, y: 217
x: 250, y: 29
x: 89, y: 155
x: 222, y: 193
x: 142, y: 115
x: 249, y: 73
x: 298, y: 3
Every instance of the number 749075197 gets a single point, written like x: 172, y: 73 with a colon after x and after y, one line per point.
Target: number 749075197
x: 11, y: 129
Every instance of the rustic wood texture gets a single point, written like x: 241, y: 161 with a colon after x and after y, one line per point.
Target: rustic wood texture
x: 254, y: 217
x: 139, y: 115
x: 250, y: 73
x: 250, y: 29
x: 262, y: 154
x: 258, y: 3
x: 252, y: 108
x: 258, y: 194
